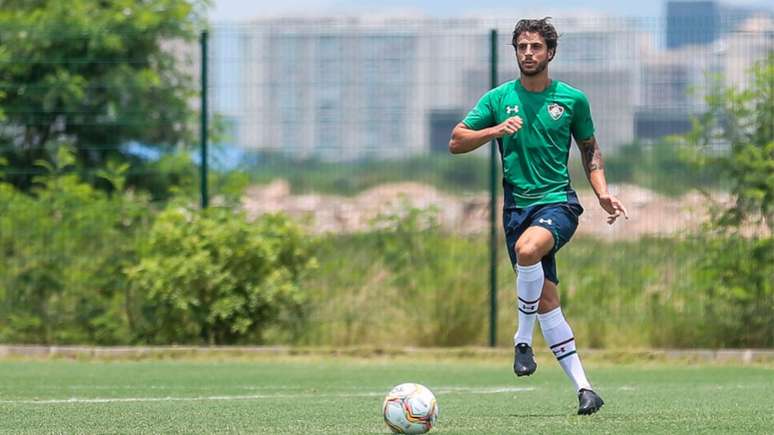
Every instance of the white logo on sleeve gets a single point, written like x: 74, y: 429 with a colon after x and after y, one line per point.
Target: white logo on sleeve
x: 511, y: 109
x: 556, y: 111
x: 545, y: 221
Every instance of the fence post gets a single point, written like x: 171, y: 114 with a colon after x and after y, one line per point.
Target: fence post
x: 203, y: 121
x: 493, y: 208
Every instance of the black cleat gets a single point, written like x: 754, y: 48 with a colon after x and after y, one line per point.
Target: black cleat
x: 588, y: 402
x: 524, y: 360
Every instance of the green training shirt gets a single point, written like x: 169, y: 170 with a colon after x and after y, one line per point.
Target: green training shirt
x: 535, y: 157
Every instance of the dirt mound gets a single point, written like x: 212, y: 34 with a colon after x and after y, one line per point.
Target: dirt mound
x: 649, y: 212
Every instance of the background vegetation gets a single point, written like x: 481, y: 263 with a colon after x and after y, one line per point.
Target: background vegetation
x: 117, y: 272
x: 97, y: 76
x: 101, y: 244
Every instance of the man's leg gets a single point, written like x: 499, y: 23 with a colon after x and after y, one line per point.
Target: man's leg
x: 530, y: 248
x: 560, y: 339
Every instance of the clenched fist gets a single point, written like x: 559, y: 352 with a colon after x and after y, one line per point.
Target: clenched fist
x: 510, y: 126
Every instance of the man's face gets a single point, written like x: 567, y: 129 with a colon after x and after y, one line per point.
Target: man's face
x: 531, y: 53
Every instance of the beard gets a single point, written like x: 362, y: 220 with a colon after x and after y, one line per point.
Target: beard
x: 537, y: 69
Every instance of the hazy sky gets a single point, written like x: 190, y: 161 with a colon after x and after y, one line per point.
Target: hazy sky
x: 235, y: 10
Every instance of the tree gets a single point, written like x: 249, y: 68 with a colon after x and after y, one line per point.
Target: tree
x: 744, y: 119
x: 736, y: 269
x: 94, y: 74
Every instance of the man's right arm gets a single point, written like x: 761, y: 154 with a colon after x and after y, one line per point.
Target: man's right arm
x: 464, y: 139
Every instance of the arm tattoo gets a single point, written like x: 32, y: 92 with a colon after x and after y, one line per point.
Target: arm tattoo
x: 591, y: 155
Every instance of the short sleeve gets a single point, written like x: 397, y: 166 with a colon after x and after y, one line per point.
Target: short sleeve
x: 482, y: 116
x: 582, y: 125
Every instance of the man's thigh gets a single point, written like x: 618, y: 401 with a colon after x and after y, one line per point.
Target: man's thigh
x: 560, y: 220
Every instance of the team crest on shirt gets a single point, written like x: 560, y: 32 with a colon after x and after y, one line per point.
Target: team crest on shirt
x: 556, y: 111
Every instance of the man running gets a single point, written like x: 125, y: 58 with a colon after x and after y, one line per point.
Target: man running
x: 534, y: 120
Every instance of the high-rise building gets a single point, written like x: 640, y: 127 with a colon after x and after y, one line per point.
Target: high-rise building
x: 674, y: 84
x: 691, y: 23
x: 334, y: 92
x: 350, y: 89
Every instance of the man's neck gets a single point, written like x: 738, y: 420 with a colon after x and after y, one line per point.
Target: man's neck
x: 536, y: 83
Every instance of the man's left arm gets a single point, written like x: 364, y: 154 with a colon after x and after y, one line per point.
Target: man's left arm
x: 595, y: 172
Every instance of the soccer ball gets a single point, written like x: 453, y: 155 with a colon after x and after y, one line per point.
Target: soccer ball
x: 410, y: 408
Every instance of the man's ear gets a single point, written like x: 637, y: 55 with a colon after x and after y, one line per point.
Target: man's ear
x: 551, y: 54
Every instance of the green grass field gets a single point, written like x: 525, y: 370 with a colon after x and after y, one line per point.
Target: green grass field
x: 318, y: 395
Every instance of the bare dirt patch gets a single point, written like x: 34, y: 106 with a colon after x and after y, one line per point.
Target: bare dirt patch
x: 649, y: 212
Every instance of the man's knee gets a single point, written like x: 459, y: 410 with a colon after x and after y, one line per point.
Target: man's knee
x: 533, y: 245
x: 528, y: 253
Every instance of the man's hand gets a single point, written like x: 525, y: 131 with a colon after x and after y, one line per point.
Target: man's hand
x: 464, y: 139
x: 509, y: 126
x: 613, y: 207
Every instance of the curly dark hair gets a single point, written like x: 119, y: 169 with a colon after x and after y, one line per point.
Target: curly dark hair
x: 542, y: 27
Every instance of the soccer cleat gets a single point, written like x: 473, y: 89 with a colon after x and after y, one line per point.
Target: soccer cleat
x: 524, y: 360
x: 588, y: 402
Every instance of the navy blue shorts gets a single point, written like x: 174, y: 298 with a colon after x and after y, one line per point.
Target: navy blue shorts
x: 560, y: 219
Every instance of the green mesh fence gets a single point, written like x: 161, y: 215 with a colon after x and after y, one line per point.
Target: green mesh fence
x: 343, y: 125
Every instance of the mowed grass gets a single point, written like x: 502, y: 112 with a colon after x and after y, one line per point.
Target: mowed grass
x: 344, y: 396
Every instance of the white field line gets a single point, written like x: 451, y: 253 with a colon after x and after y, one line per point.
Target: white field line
x: 77, y: 400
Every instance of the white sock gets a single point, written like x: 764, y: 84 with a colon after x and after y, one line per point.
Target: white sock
x: 560, y: 339
x: 529, y: 286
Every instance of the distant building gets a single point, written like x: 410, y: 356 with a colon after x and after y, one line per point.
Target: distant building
x: 701, y: 22
x: 603, y: 58
x: 733, y: 17
x: 351, y: 89
x: 749, y: 42
x: 338, y: 92
x: 441, y: 123
x: 691, y: 23
x: 345, y: 89
x: 674, y: 85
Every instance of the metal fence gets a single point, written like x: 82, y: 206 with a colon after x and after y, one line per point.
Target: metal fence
x: 338, y: 121
x: 305, y: 97
x: 354, y: 89
x: 341, y: 93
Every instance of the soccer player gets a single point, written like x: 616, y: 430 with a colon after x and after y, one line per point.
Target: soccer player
x: 533, y: 120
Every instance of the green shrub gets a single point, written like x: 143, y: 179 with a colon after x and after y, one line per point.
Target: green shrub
x: 210, y: 276
x: 63, y: 247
